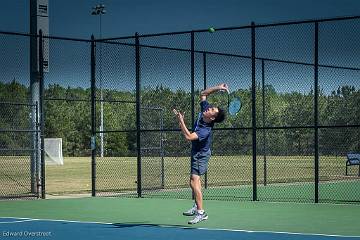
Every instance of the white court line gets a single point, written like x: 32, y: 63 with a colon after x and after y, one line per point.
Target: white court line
x: 183, y: 227
x: 17, y: 221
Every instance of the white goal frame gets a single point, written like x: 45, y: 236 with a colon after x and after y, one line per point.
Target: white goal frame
x: 53, y: 151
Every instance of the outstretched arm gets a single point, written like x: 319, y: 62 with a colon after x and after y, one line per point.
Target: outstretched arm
x: 208, y: 91
x: 188, y: 135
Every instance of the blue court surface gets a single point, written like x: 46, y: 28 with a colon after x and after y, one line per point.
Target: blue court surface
x: 26, y: 228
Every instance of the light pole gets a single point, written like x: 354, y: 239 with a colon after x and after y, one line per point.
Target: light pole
x: 99, y: 10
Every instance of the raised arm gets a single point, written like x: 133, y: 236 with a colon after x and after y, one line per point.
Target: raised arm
x: 208, y: 91
x: 187, y: 134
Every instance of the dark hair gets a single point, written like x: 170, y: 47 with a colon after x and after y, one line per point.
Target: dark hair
x: 220, y: 116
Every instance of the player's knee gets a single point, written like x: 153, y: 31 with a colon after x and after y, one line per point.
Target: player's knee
x: 194, y: 180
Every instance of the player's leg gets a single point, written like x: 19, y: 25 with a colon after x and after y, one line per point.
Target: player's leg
x: 196, y: 188
x: 201, y: 166
x: 193, y: 209
x: 194, y: 169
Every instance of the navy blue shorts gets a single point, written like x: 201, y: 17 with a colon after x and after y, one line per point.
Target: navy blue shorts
x: 199, y: 162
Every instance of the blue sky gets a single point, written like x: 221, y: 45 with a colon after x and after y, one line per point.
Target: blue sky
x: 72, y: 18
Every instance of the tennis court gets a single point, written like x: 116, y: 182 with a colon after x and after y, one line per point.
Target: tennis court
x: 134, y: 218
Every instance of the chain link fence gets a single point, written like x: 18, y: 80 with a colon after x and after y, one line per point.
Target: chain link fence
x: 284, y: 81
x: 19, y: 123
x: 18, y: 148
x: 299, y: 87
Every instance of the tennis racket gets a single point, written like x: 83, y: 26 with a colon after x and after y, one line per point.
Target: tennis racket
x: 234, y: 104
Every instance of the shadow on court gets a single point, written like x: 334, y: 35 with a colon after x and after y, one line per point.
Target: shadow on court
x: 143, y: 224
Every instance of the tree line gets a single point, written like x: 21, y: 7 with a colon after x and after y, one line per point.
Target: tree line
x: 71, y: 120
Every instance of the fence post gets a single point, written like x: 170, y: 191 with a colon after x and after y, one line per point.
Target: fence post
x: 138, y: 106
x: 316, y: 113
x: 192, y: 79
x: 42, y: 120
x: 93, y: 118
x: 205, y: 85
x: 35, y: 164
x: 263, y: 119
x: 253, y: 100
x: 192, y: 42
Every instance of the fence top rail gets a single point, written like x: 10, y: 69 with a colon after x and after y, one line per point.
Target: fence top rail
x: 44, y: 36
x: 235, y: 28
x: 189, y: 31
x: 17, y: 34
x: 18, y: 104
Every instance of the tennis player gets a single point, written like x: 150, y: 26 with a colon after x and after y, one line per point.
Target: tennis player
x: 201, y: 137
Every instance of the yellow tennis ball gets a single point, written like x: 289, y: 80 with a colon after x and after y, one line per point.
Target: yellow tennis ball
x: 211, y: 29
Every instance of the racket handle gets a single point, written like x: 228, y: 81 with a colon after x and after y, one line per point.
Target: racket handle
x: 227, y: 90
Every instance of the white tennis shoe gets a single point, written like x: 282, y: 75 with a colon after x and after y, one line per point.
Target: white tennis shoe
x: 191, y: 211
x: 198, y: 218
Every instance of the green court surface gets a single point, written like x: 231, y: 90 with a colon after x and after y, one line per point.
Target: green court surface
x: 345, y: 191
x: 304, y: 218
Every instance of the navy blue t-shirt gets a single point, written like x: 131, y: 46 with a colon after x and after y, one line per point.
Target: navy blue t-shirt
x: 203, y: 130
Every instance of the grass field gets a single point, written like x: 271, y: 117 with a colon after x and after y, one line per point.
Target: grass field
x: 119, y: 174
